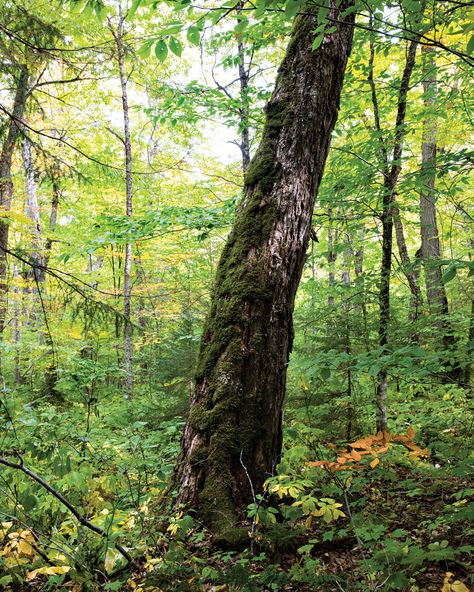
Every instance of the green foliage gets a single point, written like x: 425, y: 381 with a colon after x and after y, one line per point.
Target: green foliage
x: 399, y: 526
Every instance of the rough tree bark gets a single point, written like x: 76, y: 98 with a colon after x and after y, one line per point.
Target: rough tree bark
x: 6, y: 183
x: 233, y: 435
x: 430, y: 245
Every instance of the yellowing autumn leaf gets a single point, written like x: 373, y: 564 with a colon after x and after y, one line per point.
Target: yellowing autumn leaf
x: 455, y: 586
x: 458, y: 586
x: 374, y: 463
x: 112, y: 557
x: 49, y: 570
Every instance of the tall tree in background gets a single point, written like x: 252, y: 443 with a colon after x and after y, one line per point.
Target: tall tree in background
x: 6, y: 182
x: 390, y: 158
x: 127, y: 145
x: 430, y: 243
x: 233, y: 435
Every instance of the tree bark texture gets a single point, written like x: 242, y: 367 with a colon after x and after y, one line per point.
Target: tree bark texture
x: 430, y: 246
x: 6, y: 183
x: 233, y: 435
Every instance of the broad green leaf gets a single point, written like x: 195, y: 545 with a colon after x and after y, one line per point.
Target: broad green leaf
x: 161, y: 50
x: 470, y: 45
x: 292, y: 8
x: 134, y: 8
x: 176, y: 46
x: 448, y: 275
x: 193, y: 35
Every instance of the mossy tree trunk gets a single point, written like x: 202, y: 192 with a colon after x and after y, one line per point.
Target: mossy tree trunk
x: 233, y: 435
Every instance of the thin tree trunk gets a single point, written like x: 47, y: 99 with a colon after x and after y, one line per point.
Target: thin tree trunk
x: 17, y: 298
x: 127, y: 285
x: 35, y: 273
x: 244, y: 74
x: 332, y: 256
x: 244, y: 108
x: 6, y: 184
x: 391, y: 173
x: 470, y: 340
x: 53, y: 216
x: 346, y: 281
x: 51, y: 370
x: 430, y: 244
x: 233, y: 435
x: 411, y: 272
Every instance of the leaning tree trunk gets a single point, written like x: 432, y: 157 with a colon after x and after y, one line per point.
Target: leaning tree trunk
x: 233, y: 435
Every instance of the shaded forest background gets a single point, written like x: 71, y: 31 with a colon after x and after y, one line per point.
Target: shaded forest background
x: 125, y: 133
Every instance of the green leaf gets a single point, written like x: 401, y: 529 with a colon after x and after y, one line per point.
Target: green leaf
x: 317, y: 40
x: 172, y: 29
x: 145, y: 49
x: 470, y: 45
x: 193, y: 35
x: 325, y: 373
x: 161, y: 50
x: 292, y: 8
x: 448, y: 275
x: 28, y: 501
x: 176, y: 46
x: 134, y: 8
x: 242, y: 25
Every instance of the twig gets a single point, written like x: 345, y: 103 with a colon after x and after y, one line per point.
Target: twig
x: 256, y: 504
x: 21, y: 467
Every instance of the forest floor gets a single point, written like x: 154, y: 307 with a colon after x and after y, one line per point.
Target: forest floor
x: 407, y: 531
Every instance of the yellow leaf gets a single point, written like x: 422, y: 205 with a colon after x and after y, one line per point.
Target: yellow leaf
x: 25, y: 548
x: 112, y: 557
x: 49, y: 570
x: 446, y: 585
x: 355, y: 455
x: 458, y: 586
x: 411, y: 433
x: 374, y: 463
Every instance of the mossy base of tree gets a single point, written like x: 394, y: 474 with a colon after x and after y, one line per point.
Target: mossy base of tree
x: 235, y: 539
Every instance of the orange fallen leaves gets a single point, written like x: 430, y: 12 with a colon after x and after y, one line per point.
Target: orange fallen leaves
x: 371, y: 445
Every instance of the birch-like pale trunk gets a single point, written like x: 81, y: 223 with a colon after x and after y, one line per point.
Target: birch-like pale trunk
x: 35, y: 273
x: 51, y: 371
x: 127, y: 283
